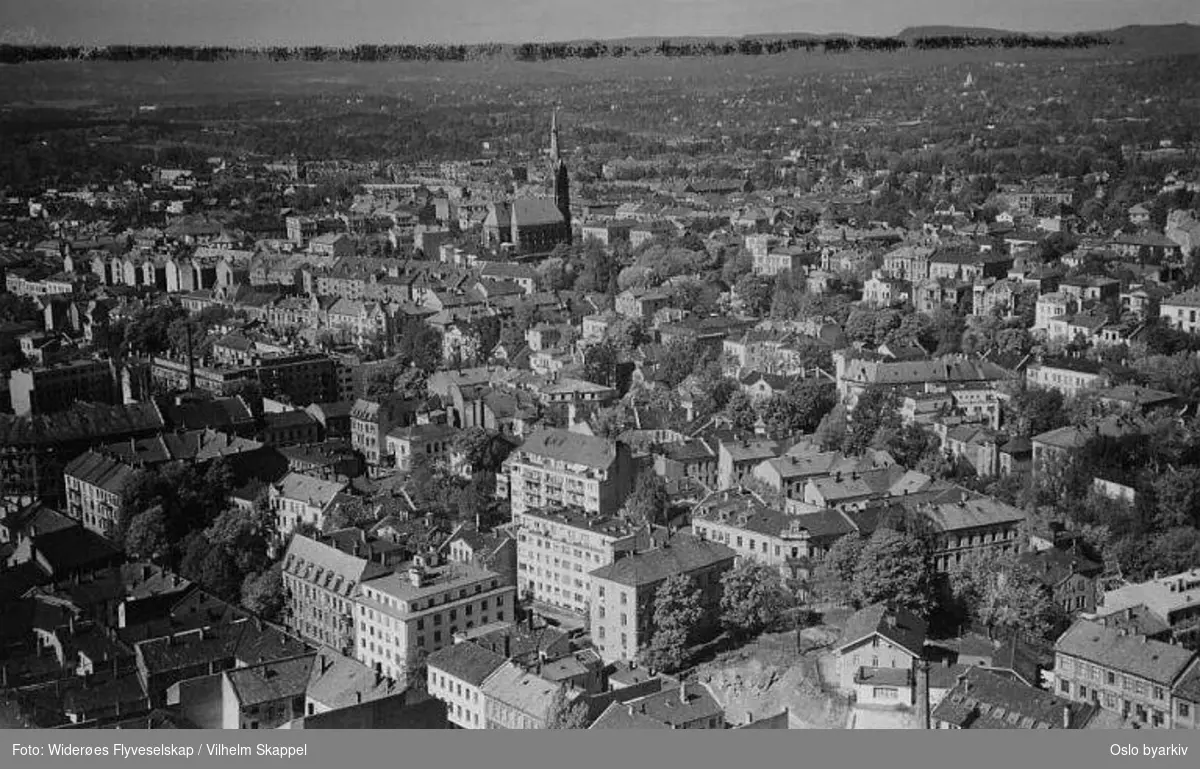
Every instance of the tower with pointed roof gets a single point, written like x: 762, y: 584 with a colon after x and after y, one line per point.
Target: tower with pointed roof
x: 562, y: 180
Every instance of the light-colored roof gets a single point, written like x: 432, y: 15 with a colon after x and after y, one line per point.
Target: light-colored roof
x: 1110, y: 648
x: 573, y: 448
x: 1163, y: 596
x: 511, y: 685
x: 305, y: 488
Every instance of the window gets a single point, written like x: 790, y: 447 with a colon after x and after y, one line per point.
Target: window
x: 1065, y: 686
x: 1184, y: 710
x: 1111, y: 678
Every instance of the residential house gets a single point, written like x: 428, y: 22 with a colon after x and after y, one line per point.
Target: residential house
x: 876, y: 657
x: 640, y: 304
x: 301, y: 499
x: 432, y: 441
x: 623, y: 592
x: 1179, y: 311
x: 1127, y: 674
x: 455, y: 675
x: 95, y: 485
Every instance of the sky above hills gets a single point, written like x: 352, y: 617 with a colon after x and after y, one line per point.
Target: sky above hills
x: 342, y: 22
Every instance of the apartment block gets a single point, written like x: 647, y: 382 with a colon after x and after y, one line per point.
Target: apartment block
x: 413, y: 612
x: 623, y: 593
x: 559, y: 467
x: 558, y: 548
x: 56, y: 388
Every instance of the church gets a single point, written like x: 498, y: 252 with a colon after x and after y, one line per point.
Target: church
x: 534, y: 225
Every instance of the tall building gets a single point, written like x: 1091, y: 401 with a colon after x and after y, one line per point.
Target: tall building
x: 558, y: 548
x: 55, y: 388
x: 320, y: 584
x: 623, y: 592
x: 403, y: 616
x: 560, y: 467
x: 562, y: 180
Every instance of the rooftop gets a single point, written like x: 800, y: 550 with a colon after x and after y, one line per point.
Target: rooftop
x: 271, y: 681
x: 570, y: 447
x: 468, y: 662
x: 1164, y: 596
x: 683, y: 554
x: 901, y: 627
x: 435, y: 581
x: 1111, y: 648
x: 984, y: 700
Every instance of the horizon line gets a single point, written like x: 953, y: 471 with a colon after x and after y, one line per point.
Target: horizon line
x: 543, y: 41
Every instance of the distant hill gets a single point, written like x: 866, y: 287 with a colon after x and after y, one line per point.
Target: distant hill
x: 909, y: 34
x: 1161, y: 38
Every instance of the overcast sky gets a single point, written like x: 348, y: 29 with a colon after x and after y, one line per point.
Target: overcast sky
x: 339, y: 22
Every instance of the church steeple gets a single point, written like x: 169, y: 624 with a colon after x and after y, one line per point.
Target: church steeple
x: 554, y: 159
x: 562, y: 180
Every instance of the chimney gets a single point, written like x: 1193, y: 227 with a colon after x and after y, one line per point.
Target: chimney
x: 358, y: 696
x: 749, y: 716
x: 923, y: 693
x: 683, y: 696
x: 1129, y: 613
x: 507, y: 646
x: 1066, y: 716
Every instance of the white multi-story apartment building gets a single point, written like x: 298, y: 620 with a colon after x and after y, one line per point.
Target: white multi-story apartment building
x: 455, y: 675
x: 405, y: 615
x: 298, y: 499
x: 558, y: 547
x: 95, y: 486
x: 560, y: 467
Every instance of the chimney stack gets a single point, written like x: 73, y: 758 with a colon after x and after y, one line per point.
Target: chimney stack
x: 683, y: 697
x: 1066, y: 716
x: 923, y: 694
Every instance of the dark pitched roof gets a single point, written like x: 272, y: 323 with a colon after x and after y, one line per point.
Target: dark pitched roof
x: 680, y: 555
x: 900, y: 627
x: 271, y: 681
x: 984, y: 700
x: 466, y: 661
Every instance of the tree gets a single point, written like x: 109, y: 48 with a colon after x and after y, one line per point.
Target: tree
x: 832, y: 431
x: 677, y: 613
x: 741, y: 413
x: 1032, y: 411
x: 679, y: 359
x: 650, y: 501
x: 600, y: 364
x: 244, y: 534
x: 262, y: 593
x: 895, y: 568
x: 835, y: 572
x: 752, y: 599
x: 875, y: 410
x: 756, y: 292
x: 146, y: 535
x: 800, y: 408
x: 483, y: 450
x: 562, y: 713
x: 1177, y: 494
x: 997, y: 590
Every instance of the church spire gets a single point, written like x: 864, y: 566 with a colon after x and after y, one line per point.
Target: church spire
x: 562, y: 180
x: 554, y: 136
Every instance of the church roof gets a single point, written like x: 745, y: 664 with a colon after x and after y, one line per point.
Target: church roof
x: 532, y: 212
